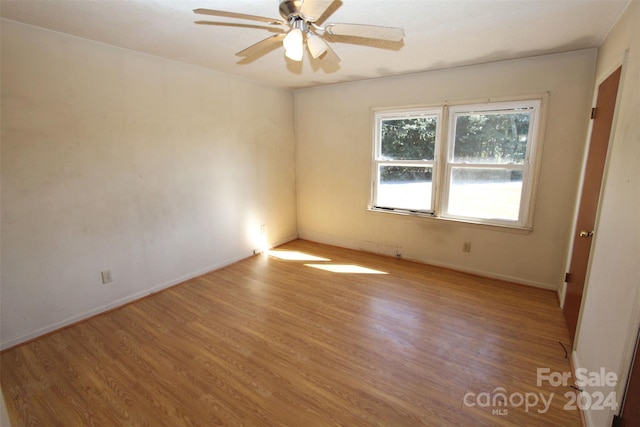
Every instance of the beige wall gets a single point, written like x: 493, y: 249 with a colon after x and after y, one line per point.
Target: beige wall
x: 334, y: 138
x: 611, y: 304
x: 117, y: 160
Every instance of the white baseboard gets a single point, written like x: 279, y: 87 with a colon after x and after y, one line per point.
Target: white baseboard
x: 117, y: 303
x: 129, y: 298
x: 389, y: 250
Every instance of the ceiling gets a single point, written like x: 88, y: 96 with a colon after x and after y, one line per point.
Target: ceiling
x: 438, y: 33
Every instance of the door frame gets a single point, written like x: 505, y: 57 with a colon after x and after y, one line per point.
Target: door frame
x: 632, y: 344
x: 629, y: 349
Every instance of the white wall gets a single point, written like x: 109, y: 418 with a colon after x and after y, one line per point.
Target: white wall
x: 334, y: 139
x: 116, y: 160
x: 611, y: 304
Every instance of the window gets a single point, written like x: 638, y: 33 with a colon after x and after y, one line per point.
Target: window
x: 486, y: 171
x: 405, y: 160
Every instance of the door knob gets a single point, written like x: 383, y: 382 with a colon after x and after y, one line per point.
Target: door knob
x: 585, y: 234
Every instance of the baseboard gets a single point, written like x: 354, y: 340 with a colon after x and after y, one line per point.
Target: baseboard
x: 5, y: 345
x: 386, y: 249
x: 22, y: 339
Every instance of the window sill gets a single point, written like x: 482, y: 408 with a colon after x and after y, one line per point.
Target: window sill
x: 419, y: 216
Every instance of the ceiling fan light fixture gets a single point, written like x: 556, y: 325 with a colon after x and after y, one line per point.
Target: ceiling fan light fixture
x: 301, y: 25
x: 294, y: 45
x: 316, y: 45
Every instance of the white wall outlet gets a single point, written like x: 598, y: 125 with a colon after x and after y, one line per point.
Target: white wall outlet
x: 106, y: 276
x: 263, y: 228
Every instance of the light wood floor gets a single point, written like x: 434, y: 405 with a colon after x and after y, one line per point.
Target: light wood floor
x: 269, y: 341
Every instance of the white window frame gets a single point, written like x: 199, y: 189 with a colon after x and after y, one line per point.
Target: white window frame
x: 530, y: 106
x: 443, y: 157
x: 378, y: 161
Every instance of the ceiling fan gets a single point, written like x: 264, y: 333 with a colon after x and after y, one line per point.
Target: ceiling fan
x: 299, y: 26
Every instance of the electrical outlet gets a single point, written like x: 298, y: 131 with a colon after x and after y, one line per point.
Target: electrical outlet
x: 106, y: 276
x: 466, y: 247
x: 263, y: 228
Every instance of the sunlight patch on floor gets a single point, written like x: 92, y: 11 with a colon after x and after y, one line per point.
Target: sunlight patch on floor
x: 295, y: 256
x: 346, y: 268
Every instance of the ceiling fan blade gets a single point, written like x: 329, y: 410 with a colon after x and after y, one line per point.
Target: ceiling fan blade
x: 330, y: 56
x: 226, y: 14
x: 237, y: 25
x: 312, y: 10
x: 262, y: 45
x: 368, y: 31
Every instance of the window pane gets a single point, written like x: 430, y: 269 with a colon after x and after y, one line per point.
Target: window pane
x: 405, y: 187
x: 408, y: 139
x: 485, y: 193
x: 491, y: 138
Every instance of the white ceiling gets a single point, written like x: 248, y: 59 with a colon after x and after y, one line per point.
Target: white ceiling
x: 439, y: 33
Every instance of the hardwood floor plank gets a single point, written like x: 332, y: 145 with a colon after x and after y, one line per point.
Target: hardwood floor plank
x: 272, y: 342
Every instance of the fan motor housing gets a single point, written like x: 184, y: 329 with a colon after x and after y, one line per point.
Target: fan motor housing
x: 290, y: 8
